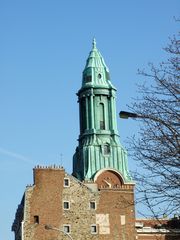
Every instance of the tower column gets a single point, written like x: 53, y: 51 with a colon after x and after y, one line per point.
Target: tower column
x: 87, y: 114
x: 114, y: 116
x: 112, y: 113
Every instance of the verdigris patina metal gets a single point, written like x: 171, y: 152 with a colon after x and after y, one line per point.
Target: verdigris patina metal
x: 99, y: 146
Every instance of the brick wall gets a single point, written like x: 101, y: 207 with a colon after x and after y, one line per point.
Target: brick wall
x: 43, y: 201
x: 119, y: 204
x: 113, y: 214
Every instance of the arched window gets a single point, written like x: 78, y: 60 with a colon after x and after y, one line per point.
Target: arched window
x: 83, y: 115
x: 106, y: 149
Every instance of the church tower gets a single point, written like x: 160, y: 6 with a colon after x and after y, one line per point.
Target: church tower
x: 99, y: 151
x: 101, y: 205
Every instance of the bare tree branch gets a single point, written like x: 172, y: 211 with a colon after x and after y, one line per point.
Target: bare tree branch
x: 157, y: 148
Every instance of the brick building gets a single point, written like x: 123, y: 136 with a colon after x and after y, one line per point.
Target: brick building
x: 61, y: 200
x: 161, y: 229
x: 97, y: 200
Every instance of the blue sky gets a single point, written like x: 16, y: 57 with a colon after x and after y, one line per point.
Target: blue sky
x: 43, y: 49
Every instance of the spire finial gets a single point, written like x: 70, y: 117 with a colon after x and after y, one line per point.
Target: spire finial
x: 94, y: 43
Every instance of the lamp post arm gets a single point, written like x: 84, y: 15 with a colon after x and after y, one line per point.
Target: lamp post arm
x: 49, y: 227
x: 126, y: 115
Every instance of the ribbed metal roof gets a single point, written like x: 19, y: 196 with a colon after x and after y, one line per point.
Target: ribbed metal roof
x: 96, y: 73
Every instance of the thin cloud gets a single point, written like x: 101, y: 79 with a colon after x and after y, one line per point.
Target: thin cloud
x: 16, y: 156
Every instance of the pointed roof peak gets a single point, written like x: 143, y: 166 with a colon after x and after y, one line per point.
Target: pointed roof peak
x: 95, y: 58
x: 96, y: 72
x: 94, y: 43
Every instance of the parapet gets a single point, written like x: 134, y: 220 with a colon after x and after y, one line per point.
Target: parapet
x: 53, y: 167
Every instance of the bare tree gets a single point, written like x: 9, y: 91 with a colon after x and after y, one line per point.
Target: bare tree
x: 157, y: 148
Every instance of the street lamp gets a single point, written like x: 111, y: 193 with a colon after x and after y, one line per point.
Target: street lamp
x: 151, y: 117
x: 49, y: 227
x: 127, y: 115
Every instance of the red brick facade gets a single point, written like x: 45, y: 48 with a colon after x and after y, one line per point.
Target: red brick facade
x: 112, y: 212
x: 89, y: 212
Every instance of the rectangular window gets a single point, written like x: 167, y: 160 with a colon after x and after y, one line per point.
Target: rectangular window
x: 67, y: 228
x: 92, y: 205
x: 36, y: 219
x: 66, y: 182
x: 66, y: 205
x: 94, y: 229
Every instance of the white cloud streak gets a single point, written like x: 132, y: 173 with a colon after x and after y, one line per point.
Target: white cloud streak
x: 16, y: 156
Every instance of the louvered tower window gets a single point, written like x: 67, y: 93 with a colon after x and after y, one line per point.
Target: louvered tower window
x: 83, y: 115
x: 102, y: 120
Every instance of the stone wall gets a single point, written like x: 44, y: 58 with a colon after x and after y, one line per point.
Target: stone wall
x: 80, y: 216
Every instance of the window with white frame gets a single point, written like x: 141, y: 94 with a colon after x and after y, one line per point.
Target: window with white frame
x: 67, y: 228
x: 92, y: 205
x: 66, y: 182
x: 66, y: 205
x: 94, y: 229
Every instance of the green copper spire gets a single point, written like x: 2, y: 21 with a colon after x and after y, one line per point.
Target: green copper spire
x: 99, y: 147
x: 96, y: 73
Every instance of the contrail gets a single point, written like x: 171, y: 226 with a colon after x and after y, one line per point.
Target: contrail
x: 17, y: 156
